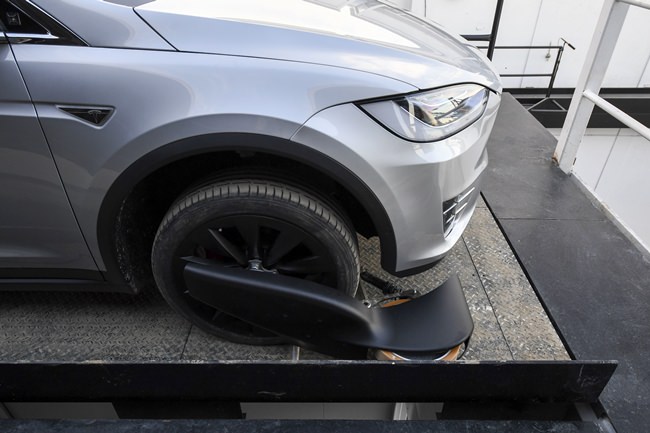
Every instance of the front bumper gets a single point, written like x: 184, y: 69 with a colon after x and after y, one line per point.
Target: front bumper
x: 411, y: 180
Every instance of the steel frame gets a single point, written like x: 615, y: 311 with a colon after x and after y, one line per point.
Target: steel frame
x: 307, y: 381
x: 586, y: 95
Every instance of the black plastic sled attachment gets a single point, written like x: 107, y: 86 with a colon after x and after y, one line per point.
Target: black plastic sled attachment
x: 325, y: 320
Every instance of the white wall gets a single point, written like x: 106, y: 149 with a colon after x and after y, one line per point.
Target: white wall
x: 612, y: 163
x: 544, y: 22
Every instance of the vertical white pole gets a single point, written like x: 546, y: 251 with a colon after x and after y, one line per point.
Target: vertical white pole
x: 599, y: 55
x: 418, y: 7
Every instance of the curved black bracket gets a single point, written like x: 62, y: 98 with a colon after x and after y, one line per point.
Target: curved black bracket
x: 325, y: 320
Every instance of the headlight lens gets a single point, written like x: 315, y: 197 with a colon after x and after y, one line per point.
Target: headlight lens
x: 432, y: 115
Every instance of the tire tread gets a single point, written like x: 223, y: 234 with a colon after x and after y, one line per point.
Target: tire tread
x: 269, y: 190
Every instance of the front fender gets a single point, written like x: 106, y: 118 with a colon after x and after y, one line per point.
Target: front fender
x: 224, y: 142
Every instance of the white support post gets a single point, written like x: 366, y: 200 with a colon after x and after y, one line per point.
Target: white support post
x: 640, y: 3
x: 600, y: 53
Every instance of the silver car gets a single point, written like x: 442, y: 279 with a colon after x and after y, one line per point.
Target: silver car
x: 137, y: 136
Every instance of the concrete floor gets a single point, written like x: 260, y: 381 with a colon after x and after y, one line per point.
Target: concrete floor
x: 510, y: 323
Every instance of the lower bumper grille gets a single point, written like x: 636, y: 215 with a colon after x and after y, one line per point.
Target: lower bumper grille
x: 453, y: 209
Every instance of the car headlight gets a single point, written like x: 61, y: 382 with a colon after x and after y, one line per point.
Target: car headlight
x: 431, y: 115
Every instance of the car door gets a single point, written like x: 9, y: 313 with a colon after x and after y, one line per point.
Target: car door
x: 39, y: 236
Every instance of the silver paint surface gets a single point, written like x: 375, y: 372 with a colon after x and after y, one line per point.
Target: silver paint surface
x: 272, y: 72
x: 411, y: 179
x: 161, y: 97
x: 103, y: 24
x: 359, y: 35
x: 37, y: 227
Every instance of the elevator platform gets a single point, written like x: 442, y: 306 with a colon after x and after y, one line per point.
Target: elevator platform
x: 94, y: 347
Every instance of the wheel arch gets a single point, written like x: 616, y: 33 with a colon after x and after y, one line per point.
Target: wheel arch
x: 225, y: 145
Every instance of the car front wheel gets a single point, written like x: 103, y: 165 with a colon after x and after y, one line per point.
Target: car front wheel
x: 257, y: 225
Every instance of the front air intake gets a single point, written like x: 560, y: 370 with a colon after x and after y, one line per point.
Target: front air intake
x: 453, y: 208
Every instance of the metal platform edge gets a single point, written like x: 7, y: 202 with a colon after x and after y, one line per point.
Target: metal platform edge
x: 312, y: 426
x: 311, y: 381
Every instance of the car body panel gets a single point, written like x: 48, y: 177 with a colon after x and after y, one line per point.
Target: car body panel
x: 361, y: 35
x: 37, y: 227
x: 407, y: 176
x: 104, y: 24
x: 277, y: 81
x: 161, y: 97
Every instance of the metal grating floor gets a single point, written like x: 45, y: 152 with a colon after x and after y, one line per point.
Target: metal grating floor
x: 510, y: 323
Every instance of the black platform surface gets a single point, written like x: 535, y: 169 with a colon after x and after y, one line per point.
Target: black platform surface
x: 593, y: 281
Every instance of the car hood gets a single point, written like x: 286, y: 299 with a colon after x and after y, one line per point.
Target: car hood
x: 357, y: 34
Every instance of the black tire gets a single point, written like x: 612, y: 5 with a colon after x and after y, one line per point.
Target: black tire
x: 286, y: 230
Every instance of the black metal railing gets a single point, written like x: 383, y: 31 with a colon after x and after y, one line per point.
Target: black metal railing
x: 558, y: 58
x: 552, y: 75
x: 491, y: 38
